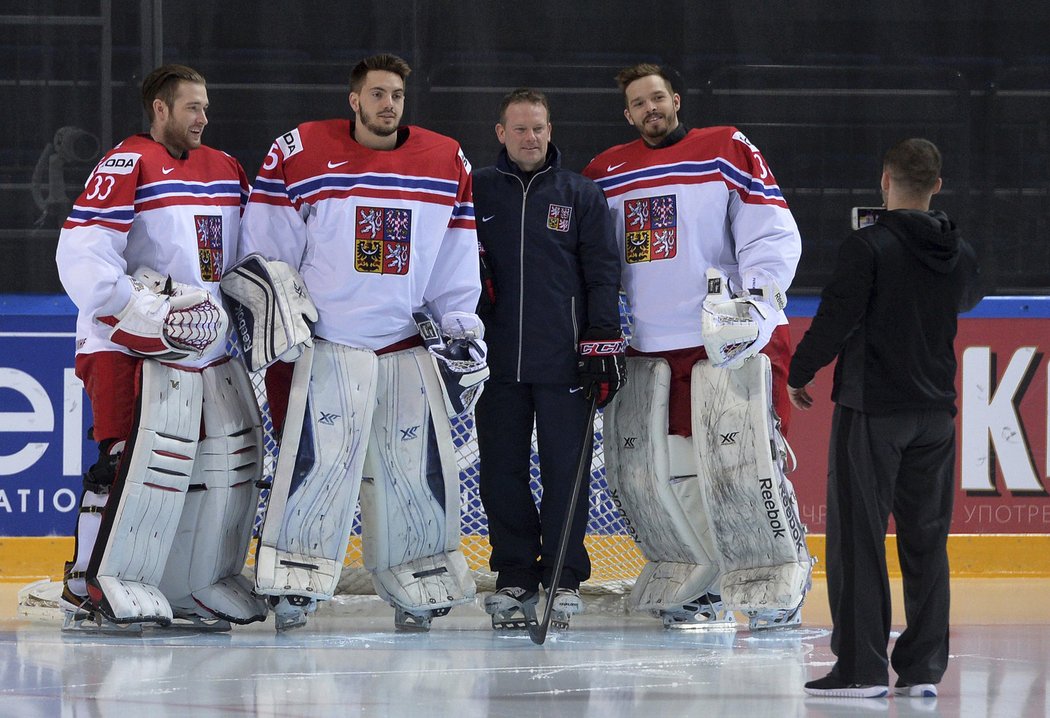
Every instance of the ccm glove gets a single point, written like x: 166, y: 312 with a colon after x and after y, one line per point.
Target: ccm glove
x: 602, y: 366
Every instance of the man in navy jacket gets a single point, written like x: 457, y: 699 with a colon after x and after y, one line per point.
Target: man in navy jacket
x: 547, y: 239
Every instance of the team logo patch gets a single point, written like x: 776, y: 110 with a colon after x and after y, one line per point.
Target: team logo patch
x: 383, y: 239
x: 650, y: 229
x: 558, y: 217
x: 209, y: 245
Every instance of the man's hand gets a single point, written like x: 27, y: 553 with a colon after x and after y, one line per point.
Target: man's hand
x: 800, y: 398
x: 602, y: 367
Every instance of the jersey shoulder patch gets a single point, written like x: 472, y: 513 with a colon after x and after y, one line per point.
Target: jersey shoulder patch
x: 118, y: 163
x: 290, y: 143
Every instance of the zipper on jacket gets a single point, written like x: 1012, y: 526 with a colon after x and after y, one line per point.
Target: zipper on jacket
x: 521, y: 263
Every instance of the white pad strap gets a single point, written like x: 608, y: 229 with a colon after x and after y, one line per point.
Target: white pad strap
x: 314, y: 495
x: 754, y: 514
x: 157, y: 464
x: 271, y: 308
x: 204, y: 567
x: 654, y: 481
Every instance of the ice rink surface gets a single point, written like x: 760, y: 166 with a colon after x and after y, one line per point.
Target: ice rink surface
x: 349, y: 661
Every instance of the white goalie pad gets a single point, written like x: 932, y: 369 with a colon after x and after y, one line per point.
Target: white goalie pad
x: 313, y: 499
x: 270, y: 308
x: 760, y: 540
x: 652, y: 478
x: 135, y: 539
x: 410, y: 495
x: 202, y: 576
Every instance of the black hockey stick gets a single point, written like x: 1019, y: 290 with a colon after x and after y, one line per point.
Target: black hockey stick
x: 538, y: 632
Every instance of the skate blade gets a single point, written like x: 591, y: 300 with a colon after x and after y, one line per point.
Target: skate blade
x: 718, y: 626
x: 514, y: 621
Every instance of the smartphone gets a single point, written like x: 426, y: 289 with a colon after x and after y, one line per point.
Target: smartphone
x: 863, y: 216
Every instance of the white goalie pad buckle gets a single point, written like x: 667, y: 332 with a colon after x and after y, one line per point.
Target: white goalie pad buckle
x: 271, y: 308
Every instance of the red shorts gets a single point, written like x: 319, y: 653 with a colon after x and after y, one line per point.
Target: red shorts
x: 679, y: 409
x: 113, y: 382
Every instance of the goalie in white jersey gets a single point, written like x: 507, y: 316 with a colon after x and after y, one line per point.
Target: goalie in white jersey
x: 167, y: 510
x: 378, y: 220
x: 693, y: 446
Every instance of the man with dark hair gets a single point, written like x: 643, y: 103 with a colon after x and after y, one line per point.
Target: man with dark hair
x: 700, y: 217
x: 548, y: 240
x: 889, y: 314
x: 165, y: 515
x: 378, y: 220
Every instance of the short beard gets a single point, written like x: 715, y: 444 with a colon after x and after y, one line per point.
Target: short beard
x: 375, y: 128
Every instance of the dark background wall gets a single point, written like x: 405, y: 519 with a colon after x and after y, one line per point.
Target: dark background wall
x: 822, y: 88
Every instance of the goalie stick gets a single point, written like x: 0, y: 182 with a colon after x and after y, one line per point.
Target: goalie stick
x: 538, y: 632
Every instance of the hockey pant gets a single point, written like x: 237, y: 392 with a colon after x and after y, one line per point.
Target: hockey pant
x: 678, y: 501
x: 359, y: 408
x: 128, y: 531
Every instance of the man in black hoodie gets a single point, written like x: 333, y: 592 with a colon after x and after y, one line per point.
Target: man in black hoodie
x: 889, y: 314
x: 552, y: 324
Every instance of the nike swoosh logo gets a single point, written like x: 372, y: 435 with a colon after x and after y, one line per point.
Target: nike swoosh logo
x: 167, y: 170
x: 333, y: 165
x: 610, y: 168
x: 486, y: 219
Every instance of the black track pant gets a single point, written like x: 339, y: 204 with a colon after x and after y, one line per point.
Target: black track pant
x: 524, y: 540
x: 901, y: 463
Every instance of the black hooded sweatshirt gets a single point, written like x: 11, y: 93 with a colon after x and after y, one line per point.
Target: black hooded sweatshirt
x: 890, y: 315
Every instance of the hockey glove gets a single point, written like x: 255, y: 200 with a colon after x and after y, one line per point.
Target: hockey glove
x: 602, y: 366
x: 271, y: 309
x: 460, y: 357
x: 167, y: 320
x: 735, y: 329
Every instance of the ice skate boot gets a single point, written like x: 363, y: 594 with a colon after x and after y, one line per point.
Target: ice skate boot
x: 512, y: 608
x: 416, y: 620
x: 290, y: 612
x: 705, y: 612
x: 566, y: 602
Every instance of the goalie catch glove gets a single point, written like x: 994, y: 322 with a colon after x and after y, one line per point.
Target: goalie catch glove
x: 271, y: 309
x: 167, y: 320
x: 734, y: 329
x: 602, y: 367
x: 460, y: 357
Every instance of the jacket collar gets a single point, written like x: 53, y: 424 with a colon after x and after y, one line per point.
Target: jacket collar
x: 506, y: 165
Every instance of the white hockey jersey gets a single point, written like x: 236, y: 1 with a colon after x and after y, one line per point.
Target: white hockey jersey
x: 708, y: 200
x: 143, y: 208
x: 376, y: 235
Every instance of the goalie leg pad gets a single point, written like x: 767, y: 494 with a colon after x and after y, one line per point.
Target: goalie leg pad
x: 653, y: 478
x: 137, y: 532
x: 313, y: 499
x: 410, y: 496
x: 754, y: 514
x: 202, y: 577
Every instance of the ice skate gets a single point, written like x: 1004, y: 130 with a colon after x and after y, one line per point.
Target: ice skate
x: 775, y: 619
x: 566, y: 602
x: 290, y: 612
x: 706, y: 612
x: 512, y: 608
x: 416, y: 620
